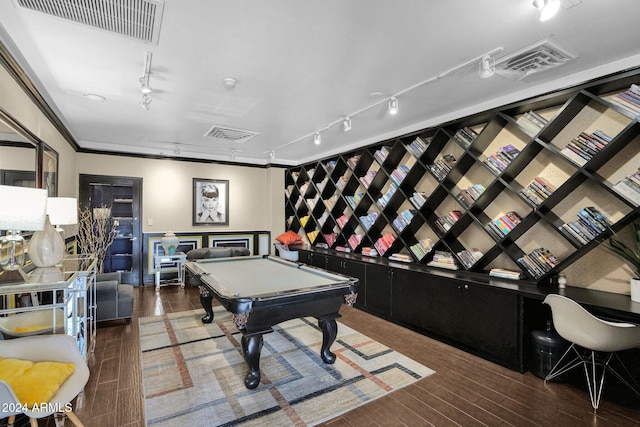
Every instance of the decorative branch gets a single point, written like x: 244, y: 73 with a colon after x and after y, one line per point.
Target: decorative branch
x: 96, y: 232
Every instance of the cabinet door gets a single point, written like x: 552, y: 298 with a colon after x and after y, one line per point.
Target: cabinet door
x: 352, y: 269
x: 378, y: 298
x: 305, y: 257
x: 492, y: 323
x: 427, y: 302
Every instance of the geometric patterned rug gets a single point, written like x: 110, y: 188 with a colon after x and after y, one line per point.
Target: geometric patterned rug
x: 194, y: 373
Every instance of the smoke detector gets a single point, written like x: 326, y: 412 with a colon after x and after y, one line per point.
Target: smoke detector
x: 229, y: 82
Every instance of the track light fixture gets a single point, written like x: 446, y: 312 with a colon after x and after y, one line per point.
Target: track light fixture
x: 317, y: 139
x: 346, y: 124
x: 487, y: 66
x: 393, y: 105
x: 144, y: 103
x: 547, y: 8
x: 145, y: 89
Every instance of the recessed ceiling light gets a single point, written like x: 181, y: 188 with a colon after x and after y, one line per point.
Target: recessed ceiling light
x: 93, y: 97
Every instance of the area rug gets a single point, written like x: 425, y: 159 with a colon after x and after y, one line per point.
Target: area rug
x: 194, y: 374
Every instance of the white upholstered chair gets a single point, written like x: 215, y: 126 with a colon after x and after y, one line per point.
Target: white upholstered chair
x: 594, y: 343
x: 55, y: 348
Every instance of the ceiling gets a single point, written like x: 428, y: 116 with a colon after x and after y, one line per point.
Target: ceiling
x: 301, y: 67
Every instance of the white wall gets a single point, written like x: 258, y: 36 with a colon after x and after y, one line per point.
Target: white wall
x: 256, y: 200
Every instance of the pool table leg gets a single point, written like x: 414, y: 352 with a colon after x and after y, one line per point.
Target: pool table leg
x: 205, y: 300
x: 251, y: 348
x: 329, y: 332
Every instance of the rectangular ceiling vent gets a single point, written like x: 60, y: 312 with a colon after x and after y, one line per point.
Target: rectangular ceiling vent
x: 540, y: 56
x: 236, y: 136
x: 137, y: 19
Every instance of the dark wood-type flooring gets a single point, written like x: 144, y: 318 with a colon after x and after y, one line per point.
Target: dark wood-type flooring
x: 465, y: 390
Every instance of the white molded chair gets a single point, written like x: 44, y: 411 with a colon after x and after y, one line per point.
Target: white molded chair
x: 55, y: 348
x: 594, y: 343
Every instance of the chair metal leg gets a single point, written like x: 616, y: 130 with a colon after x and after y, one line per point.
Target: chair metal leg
x: 559, y: 369
x: 595, y: 382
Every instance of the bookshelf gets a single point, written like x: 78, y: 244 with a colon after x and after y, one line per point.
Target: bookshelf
x: 528, y: 168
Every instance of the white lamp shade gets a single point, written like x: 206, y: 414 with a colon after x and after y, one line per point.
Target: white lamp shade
x: 22, y: 208
x: 62, y: 210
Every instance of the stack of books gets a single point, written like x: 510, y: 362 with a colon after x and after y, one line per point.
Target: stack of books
x: 590, y: 223
x: 384, y: 243
x: 290, y: 220
x: 342, y: 221
x: 403, y: 219
x: 630, y: 187
x: 368, y: 220
x: 288, y: 191
x: 342, y: 182
x: 465, y: 136
x: 537, y: 191
x: 330, y: 166
x: 538, y: 262
x: 343, y: 249
x: 400, y: 257
x: 382, y: 201
x: 629, y: 99
x: 381, y: 154
x: 499, y: 161
x: 353, y: 161
x: 330, y: 238
x: 310, y: 172
x: 323, y: 218
x: 295, y: 175
x: 445, y: 222
x: 300, y: 199
x: 304, y: 187
x: 369, y: 251
x: 500, y: 227
x: 442, y: 166
x: 354, y: 241
x: 584, y: 147
x: 469, y: 195
x: 399, y: 174
x: 422, y: 248
x: 312, y: 235
x: 312, y: 202
x: 507, y: 274
x: 323, y: 183
x: 366, y: 180
x: 443, y: 259
x: 418, y: 147
x: 418, y: 199
x: 354, y: 200
x: 331, y: 201
x: 304, y: 220
x: 469, y: 257
x: 532, y: 122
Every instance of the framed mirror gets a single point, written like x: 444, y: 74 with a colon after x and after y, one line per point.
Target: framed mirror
x: 19, y: 164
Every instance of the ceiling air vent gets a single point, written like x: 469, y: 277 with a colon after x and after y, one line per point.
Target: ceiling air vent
x: 236, y: 136
x: 137, y: 19
x: 540, y: 56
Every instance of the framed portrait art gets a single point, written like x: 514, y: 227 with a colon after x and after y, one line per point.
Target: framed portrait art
x: 210, y: 202
x: 49, y: 167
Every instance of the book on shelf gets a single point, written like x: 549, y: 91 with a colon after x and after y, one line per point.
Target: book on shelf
x: 330, y: 166
x: 538, y: 190
x: 368, y: 220
x: 354, y: 241
x: 330, y: 238
x: 382, y: 201
x: 384, y: 243
x: 381, y: 154
x: 342, y: 221
x: 469, y: 195
x: 353, y: 161
x: 443, y: 259
x: 418, y: 199
x: 445, y: 222
x: 418, y: 146
x: 532, y: 122
x: 403, y: 219
x: 343, y: 249
x: 312, y: 235
x: 401, y: 257
x: 499, y: 161
x: 585, y: 146
x: 469, y: 257
x: 442, y: 166
x: 590, y: 223
x: 399, y: 174
x: 506, y: 274
x: 310, y: 173
x: 369, y: 251
x: 538, y: 262
x: 503, y: 225
x: 629, y: 188
x: 367, y: 178
x: 422, y: 248
x: 628, y: 99
x: 465, y: 136
x: 304, y: 220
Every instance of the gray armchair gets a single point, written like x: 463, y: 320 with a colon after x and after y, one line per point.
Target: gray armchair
x: 114, y: 299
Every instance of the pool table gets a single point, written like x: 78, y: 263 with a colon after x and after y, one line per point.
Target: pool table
x: 262, y: 291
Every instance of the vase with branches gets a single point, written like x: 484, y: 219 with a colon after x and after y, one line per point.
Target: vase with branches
x: 96, y: 231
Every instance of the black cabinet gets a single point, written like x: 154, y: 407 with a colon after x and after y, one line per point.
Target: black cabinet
x: 121, y: 198
x: 352, y: 269
x: 378, y: 297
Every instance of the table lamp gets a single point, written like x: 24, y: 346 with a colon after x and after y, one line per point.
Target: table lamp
x: 21, y: 209
x: 46, y: 247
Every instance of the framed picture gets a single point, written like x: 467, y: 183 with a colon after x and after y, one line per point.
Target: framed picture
x: 49, y: 167
x: 210, y: 202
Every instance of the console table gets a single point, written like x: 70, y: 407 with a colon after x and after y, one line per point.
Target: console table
x: 170, y: 263
x: 65, y: 302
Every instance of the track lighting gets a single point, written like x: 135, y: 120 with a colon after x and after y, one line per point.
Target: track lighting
x: 393, y: 105
x: 317, y: 139
x: 487, y: 66
x: 144, y: 103
x: 144, y: 85
x: 145, y: 89
x: 346, y: 124
x: 547, y: 8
